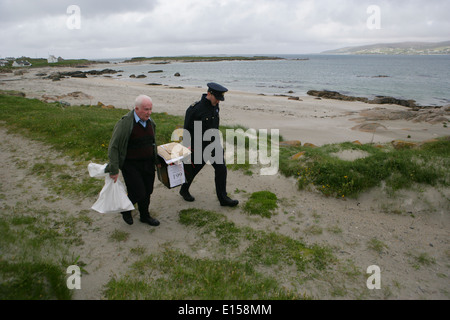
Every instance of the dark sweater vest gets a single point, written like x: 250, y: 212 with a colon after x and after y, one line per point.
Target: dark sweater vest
x: 140, y: 144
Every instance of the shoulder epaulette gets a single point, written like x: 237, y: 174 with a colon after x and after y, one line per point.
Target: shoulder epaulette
x: 194, y: 104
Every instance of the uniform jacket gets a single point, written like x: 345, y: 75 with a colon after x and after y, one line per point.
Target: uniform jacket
x: 202, y: 111
x: 117, y: 150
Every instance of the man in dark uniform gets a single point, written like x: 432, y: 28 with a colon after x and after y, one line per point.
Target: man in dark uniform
x: 206, y: 113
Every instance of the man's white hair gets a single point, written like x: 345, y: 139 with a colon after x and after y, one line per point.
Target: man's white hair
x: 140, y: 100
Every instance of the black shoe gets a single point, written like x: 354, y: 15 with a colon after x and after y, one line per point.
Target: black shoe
x: 227, y: 202
x: 127, y: 217
x: 151, y: 221
x: 186, y: 195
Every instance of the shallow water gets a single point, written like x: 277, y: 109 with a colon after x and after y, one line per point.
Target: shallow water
x: 425, y: 79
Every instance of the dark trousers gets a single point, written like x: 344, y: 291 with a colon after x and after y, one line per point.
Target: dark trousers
x: 220, y: 177
x: 139, y: 178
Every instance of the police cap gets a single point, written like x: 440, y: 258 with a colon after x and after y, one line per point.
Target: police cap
x: 217, y: 90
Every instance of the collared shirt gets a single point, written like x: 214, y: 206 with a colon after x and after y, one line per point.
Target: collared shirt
x: 136, y: 117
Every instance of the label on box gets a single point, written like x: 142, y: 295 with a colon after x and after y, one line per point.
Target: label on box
x: 176, y: 174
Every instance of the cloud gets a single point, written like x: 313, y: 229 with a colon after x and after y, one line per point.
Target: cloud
x: 147, y: 28
x: 27, y: 10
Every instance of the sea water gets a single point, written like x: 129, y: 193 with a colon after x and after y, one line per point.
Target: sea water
x: 425, y: 79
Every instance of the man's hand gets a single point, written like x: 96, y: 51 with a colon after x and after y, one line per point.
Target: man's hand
x: 114, y: 177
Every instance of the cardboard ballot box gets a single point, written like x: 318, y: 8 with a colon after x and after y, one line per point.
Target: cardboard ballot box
x: 171, y: 172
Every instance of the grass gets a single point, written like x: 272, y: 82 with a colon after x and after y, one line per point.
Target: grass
x: 119, y: 236
x: 41, y: 62
x: 427, y: 164
x: 201, y: 58
x: 78, y: 131
x: 172, y: 274
x: 376, y: 245
x: 32, y: 281
x: 261, y: 203
x: 265, y: 247
x: 212, y: 223
x: 34, y: 252
x: 62, y: 181
x: 182, y: 277
x: 421, y: 259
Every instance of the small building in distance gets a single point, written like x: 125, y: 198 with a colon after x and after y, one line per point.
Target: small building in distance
x: 52, y: 59
x: 21, y: 63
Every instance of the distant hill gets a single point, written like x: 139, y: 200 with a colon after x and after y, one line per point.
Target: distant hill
x: 397, y: 48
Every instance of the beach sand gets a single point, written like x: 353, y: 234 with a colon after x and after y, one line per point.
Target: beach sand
x: 421, y: 226
x: 308, y: 119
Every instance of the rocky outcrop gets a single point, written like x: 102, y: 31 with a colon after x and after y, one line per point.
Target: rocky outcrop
x: 433, y: 115
x: 13, y: 93
x: 378, y: 100
x: 400, y: 144
x: 72, y: 95
x: 56, y: 76
x: 391, y: 100
x: 297, y: 156
x: 103, y: 106
x: 334, y: 95
x: 101, y: 72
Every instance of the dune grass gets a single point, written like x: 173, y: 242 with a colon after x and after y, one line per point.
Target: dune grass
x: 319, y: 168
x: 214, y: 277
x: 78, y: 131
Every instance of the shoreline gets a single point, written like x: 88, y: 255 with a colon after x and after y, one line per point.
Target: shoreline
x: 304, y: 118
x: 98, y: 68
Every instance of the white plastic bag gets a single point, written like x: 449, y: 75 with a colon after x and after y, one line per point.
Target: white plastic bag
x: 97, y: 170
x: 113, y: 197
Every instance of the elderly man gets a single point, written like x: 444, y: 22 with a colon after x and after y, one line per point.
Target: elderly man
x: 132, y: 149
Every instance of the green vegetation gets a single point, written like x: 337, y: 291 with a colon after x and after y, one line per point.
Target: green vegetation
x: 32, y: 281
x: 41, y: 62
x: 79, y: 131
x: 422, y: 259
x: 119, y: 236
x: 201, y: 59
x: 188, y: 278
x: 212, y: 223
x: 182, y: 277
x: 35, y: 252
x: 376, y: 245
x: 399, y: 168
x: 261, y: 203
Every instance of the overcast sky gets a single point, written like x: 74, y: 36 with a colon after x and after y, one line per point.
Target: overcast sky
x: 130, y: 28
